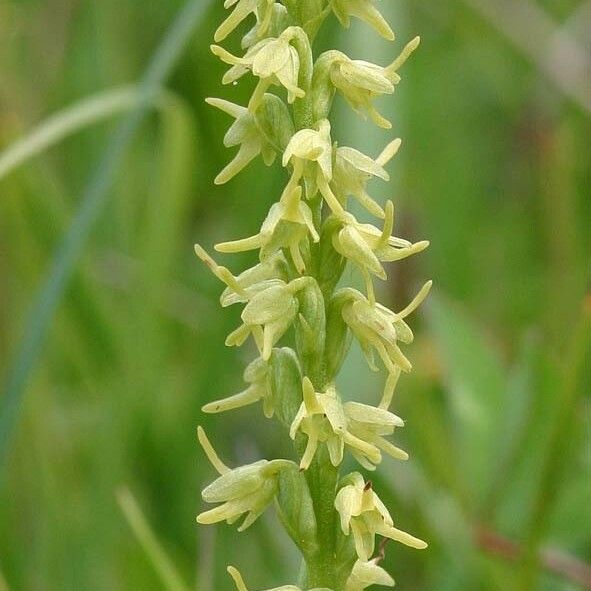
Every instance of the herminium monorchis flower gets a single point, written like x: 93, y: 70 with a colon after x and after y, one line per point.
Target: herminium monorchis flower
x: 368, y: 573
x: 248, y: 489
x: 353, y: 170
x: 287, y: 224
x: 243, y: 8
x: 365, y: 11
x: 323, y: 418
x: 255, y: 375
x: 244, y: 133
x: 363, y: 514
x: 303, y: 249
x: 368, y: 247
x: 273, y: 61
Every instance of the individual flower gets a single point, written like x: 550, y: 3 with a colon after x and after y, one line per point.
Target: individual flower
x: 365, y: 11
x: 361, y: 82
x: 273, y: 60
x: 241, y: 585
x: 245, y: 490
x: 371, y: 425
x: 324, y: 419
x: 268, y: 314
x: 245, y: 133
x: 362, y: 513
x: 379, y: 329
x: 368, y: 573
x: 262, y: 10
x: 310, y: 154
x: 367, y: 246
x: 353, y: 170
x: 287, y: 225
x: 242, y: 288
x: 255, y: 375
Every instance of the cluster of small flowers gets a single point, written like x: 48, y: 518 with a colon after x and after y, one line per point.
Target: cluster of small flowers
x: 302, y: 256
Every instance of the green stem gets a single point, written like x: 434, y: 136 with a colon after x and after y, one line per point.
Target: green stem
x: 322, y: 477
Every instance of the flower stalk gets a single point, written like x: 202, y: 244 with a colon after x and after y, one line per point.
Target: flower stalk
x: 305, y: 243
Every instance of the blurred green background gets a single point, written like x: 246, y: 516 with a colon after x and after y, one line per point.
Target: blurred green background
x: 495, y: 113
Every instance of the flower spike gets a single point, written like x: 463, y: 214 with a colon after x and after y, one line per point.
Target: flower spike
x: 304, y: 245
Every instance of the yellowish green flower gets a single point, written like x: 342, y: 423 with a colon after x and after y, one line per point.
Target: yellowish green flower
x: 256, y: 375
x: 243, y: 8
x: 245, y: 133
x: 245, y: 490
x: 367, y: 246
x: 364, y: 10
x: 368, y: 573
x: 379, y: 329
x: 288, y: 223
x: 363, y: 514
x: 275, y: 61
x: 310, y: 154
x: 324, y: 419
x: 353, y: 170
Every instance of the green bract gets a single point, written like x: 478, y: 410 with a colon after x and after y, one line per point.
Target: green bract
x: 304, y: 244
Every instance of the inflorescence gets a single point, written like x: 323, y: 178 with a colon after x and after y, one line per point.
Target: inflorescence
x: 304, y: 245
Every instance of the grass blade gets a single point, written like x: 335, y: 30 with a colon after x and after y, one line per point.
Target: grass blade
x: 93, y: 201
x: 57, y: 127
x: 171, y: 579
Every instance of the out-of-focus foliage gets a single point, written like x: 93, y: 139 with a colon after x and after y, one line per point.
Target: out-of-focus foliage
x: 495, y: 171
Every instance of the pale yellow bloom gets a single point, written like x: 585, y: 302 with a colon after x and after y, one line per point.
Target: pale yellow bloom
x: 242, y: 9
x: 245, y: 133
x: 245, y: 490
x: 353, y: 170
x: 272, y: 60
x: 360, y: 82
x: 365, y: 11
x: 367, y: 573
x: 288, y: 223
x: 377, y: 328
x: 324, y: 419
x: 255, y: 375
x: 310, y: 153
x: 363, y: 514
x: 367, y: 246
